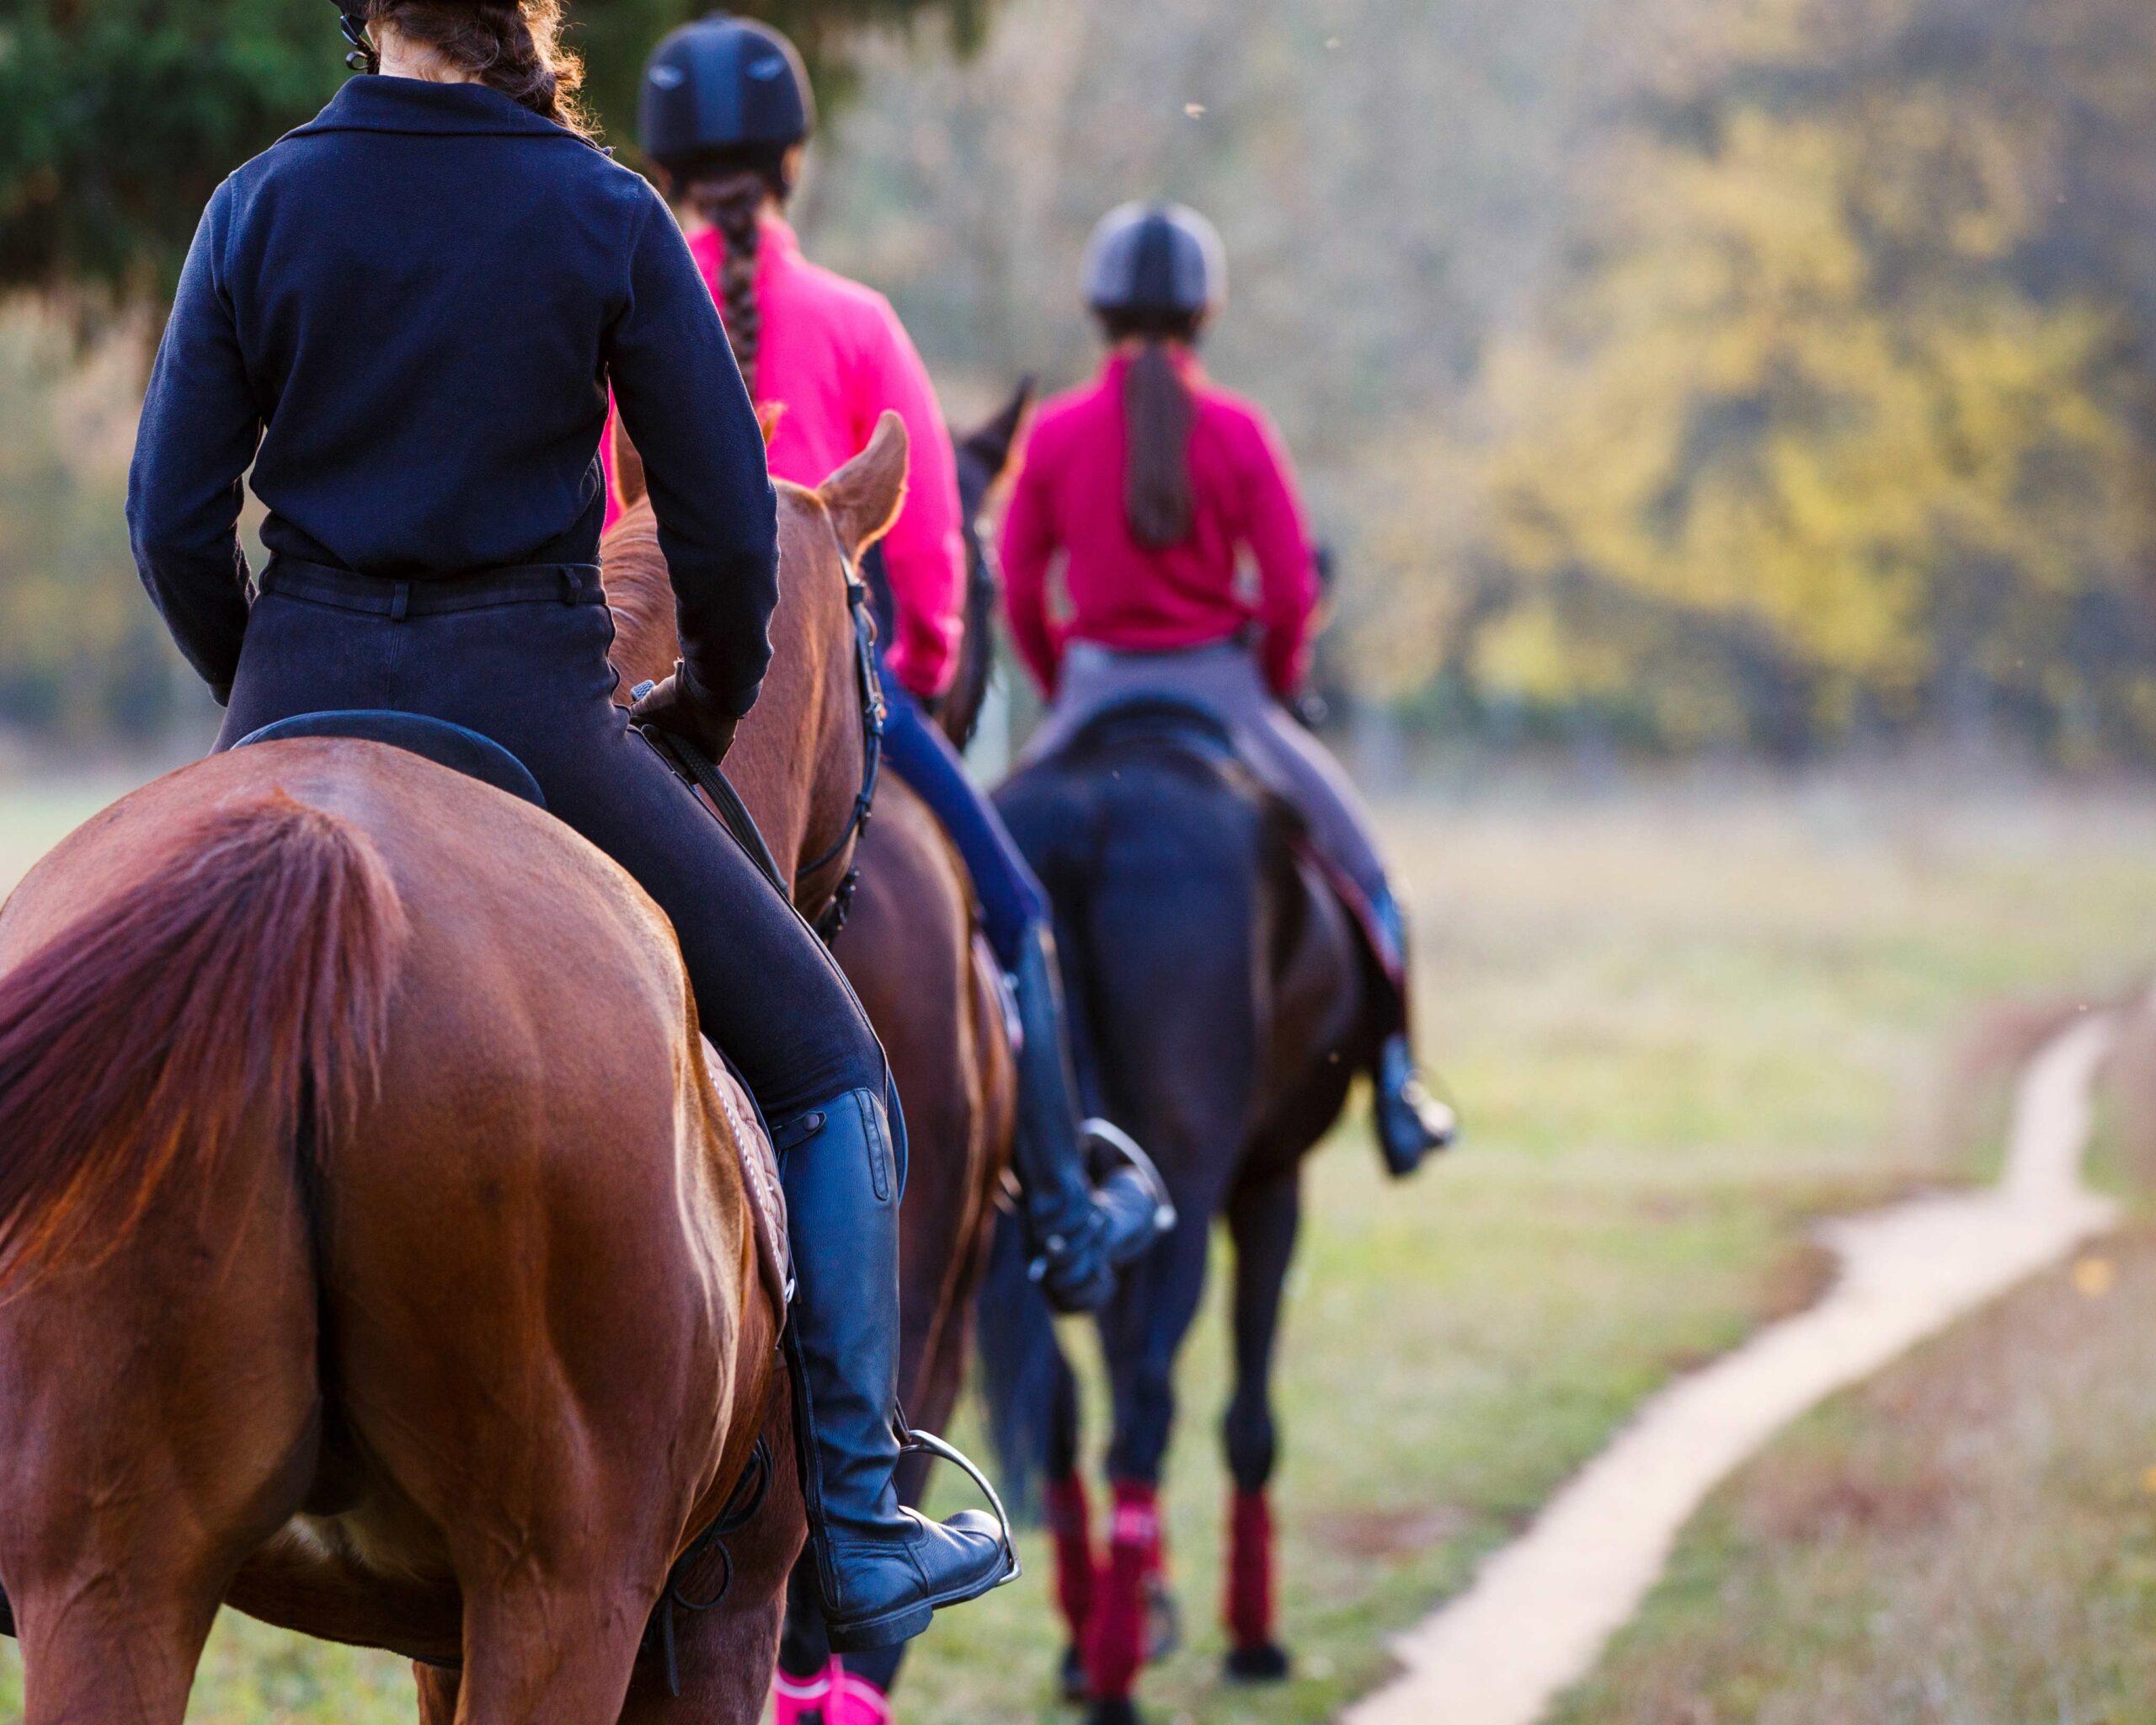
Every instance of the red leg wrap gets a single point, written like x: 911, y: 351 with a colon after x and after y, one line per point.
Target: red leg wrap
x: 1070, y: 1521
x: 1115, y: 1639
x: 1247, y: 1607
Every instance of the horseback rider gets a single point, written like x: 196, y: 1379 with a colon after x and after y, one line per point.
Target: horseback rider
x: 1156, y: 603
x: 405, y: 317
x: 726, y: 115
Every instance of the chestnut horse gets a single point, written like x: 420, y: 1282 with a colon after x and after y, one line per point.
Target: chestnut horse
x: 927, y: 980
x: 376, y: 1252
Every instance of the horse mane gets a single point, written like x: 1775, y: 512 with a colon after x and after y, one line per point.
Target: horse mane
x: 634, y: 570
x: 639, y: 590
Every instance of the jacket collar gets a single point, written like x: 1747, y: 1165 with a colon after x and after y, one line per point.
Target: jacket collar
x: 412, y: 105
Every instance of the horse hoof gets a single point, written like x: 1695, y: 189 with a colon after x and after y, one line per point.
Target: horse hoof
x: 1163, y: 1621
x: 1122, y: 1712
x: 1265, y: 1665
x: 1073, y: 1675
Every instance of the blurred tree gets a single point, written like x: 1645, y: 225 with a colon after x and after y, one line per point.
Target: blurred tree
x: 1827, y: 428
x: 119, y: 117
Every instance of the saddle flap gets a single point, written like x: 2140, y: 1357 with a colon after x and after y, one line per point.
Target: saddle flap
x: 759, y: 1178
x: 456, y: 746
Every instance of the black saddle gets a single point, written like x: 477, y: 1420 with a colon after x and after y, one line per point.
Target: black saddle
x: 436, y: 740
x: 1154, y: 720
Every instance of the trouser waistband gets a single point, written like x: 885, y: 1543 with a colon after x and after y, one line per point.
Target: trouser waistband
x: 430, y: 595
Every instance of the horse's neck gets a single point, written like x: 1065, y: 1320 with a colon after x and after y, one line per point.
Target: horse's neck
x: 796, y: 759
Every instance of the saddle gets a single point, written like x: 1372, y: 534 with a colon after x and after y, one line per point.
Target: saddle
x: 455, y: 747
x: 1193, y: 730
x: 464, y: 750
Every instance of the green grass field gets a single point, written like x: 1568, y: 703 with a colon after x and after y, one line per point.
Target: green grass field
x: 1680, y: 1022
x: 1969, y: 1538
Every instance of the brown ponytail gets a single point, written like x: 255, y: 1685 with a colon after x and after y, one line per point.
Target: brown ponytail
x: 734, y: 203
x: 511, y: 45
x: 1157, y: 412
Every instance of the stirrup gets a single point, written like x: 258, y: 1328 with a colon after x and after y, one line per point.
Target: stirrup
x: 1128, y: 1150
x: 914, y: 1442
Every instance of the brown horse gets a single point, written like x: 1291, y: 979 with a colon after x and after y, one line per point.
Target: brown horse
x: 376, y: 1248
x: 930, y: 987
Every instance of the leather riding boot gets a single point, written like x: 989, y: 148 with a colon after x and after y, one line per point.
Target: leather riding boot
x: 882, y: 1569
x: 1065, y: 1231
x: 1412, y: 1124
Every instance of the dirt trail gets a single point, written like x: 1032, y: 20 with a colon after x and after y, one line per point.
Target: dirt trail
x: 1541, y: 1609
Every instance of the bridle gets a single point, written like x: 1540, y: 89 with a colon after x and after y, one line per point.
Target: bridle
x: 873, y: 714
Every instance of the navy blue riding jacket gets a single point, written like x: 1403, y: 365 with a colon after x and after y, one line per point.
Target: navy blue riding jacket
x: 405, y: 315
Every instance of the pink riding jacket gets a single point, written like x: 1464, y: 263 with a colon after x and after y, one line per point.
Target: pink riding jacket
x: 832, y: 355
x: 1131, y: 597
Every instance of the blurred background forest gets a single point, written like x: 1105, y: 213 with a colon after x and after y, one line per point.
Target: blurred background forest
x: 1683, y: 376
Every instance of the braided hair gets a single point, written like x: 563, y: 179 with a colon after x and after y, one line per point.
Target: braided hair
x: 732, y: 199
x: 511, y: 45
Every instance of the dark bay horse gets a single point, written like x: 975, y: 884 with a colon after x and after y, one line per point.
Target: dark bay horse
x: 927, y: 981
x: 1225, y: 998
x: 376, y: 1248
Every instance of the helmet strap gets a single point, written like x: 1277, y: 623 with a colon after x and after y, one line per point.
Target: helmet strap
x: 363, y: 56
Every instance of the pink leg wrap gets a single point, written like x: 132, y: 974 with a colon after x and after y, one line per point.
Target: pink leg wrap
x: 1070, y: 1521
x: 1115, y: 1640
x: 855, y: 1701
x: 1247, y: 1605
x: 795, y: 1700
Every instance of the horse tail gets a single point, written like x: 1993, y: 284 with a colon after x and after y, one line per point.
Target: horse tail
x: 240, y: 996
x: 1023, y: 1374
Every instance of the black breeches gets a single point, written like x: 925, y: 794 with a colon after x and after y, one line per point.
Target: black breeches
x: 534, y: 676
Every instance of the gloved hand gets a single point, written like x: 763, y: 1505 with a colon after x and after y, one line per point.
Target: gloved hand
x: 680, y: 706
x: 1072, y: 1263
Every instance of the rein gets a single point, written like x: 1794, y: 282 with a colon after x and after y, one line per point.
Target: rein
x: 698, y: 770
x: 742, y: 1505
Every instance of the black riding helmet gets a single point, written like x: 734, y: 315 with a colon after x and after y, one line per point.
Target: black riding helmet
x: 721, y: 89
x: 1156, y: 262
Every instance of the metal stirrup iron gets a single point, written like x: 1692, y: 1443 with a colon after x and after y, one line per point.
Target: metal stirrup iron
x: 914, y: 1442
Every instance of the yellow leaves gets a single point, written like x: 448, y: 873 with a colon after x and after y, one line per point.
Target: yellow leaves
x: 1780, y: 412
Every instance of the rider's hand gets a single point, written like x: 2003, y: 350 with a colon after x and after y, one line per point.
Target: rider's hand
x: 1075, y: 1272
x: 680, y: 706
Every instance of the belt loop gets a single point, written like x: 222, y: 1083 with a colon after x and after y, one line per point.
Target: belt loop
x: 572, y: 585
x: 400, y: 601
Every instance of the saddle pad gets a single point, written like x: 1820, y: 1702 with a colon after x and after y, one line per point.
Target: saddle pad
x: 455, y: 747
x: 759, y: 1178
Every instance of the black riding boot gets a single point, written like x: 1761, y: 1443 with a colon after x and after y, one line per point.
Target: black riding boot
x: 1412, y: 1124
x: 882, y: 1569
x: 1078, y: 1236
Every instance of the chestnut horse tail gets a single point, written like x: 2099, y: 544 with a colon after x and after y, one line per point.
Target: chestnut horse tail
x: 237, y: 995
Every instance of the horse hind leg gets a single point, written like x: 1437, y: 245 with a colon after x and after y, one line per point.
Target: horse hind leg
x: 160, y: 1425
x: 1261, y: 1219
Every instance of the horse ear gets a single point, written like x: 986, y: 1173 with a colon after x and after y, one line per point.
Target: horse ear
x: 991, y: 442
x: 864, y: 495
x: 768, y: 415
x: 630, y: 485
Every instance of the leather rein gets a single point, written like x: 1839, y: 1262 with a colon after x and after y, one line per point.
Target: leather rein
x: 703, y: 773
